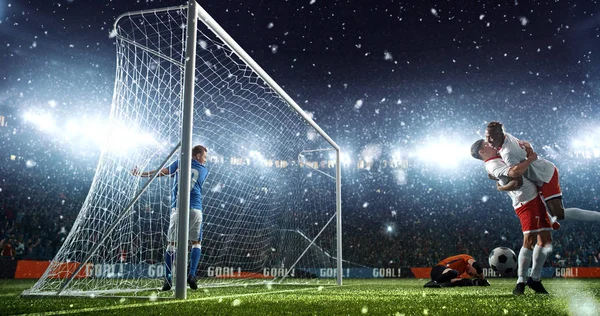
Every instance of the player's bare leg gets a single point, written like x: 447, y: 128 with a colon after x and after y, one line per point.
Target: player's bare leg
x: 556, y: 208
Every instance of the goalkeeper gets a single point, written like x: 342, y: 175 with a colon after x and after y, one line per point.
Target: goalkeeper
x: 198, y: 175
x: 456, y: 271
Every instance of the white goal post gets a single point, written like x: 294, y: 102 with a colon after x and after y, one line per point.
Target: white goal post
x: 272, y: 198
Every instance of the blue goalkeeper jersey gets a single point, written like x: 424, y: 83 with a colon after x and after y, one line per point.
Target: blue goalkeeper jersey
x: 199, y: 173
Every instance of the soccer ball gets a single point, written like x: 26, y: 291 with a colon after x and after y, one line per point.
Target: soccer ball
x: 503, y: 260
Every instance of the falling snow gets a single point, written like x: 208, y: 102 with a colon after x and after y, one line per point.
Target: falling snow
x: 405, y: 122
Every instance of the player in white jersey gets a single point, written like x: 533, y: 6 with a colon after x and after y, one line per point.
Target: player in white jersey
x: 542, y: 172
x: 529, y: 207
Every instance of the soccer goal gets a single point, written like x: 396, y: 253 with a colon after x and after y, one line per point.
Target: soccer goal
x: 272, y: 198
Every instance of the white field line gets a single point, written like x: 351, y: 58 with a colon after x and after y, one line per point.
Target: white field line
x: 167, y: 302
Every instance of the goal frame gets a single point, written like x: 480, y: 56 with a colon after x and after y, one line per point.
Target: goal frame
x: 195, y: 13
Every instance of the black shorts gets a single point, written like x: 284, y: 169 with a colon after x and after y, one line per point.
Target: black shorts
x: 436, y: 272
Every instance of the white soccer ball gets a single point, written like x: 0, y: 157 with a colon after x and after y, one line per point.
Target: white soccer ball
x: 503, y: 260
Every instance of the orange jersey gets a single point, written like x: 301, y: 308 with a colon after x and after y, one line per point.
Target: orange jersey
x: 458, y: 263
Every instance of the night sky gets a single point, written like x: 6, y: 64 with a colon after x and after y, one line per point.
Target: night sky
x: 377, y: 76
x: 397, y: 69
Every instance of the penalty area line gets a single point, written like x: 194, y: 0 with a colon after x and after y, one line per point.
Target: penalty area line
x: 167, y: 302
x: 9, y: 294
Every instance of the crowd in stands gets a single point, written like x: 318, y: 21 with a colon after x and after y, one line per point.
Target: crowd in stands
x: 37, y: 210
x: 436, y: 217
x: 401, y: 225
x: 410, y: 222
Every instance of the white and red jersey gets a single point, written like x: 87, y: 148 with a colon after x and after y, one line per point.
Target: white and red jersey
x: 540, y: 171
x: 527, y: 192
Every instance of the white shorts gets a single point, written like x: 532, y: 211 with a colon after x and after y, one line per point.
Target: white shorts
x: 195, y: 224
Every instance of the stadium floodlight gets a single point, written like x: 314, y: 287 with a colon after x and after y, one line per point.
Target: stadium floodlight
x: 278, y: 223
x: 586, y: 145
x: 87, y: 131
x: 344, y: 158
x: 454, y: 153
x: 43, y: 121
x: 371, y: 152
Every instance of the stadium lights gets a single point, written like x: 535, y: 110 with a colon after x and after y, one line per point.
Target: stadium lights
x: 371, y: 152
x: 396, y: 156
x: 345, y: 159
x: 446, y: 154
x: 43, y: 121
x: 81, y: 132
x: 587, y: 147
x: 121, y: 138
x: 30, y: 163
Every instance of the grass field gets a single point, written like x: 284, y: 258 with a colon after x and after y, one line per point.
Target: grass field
x: 355, y: 297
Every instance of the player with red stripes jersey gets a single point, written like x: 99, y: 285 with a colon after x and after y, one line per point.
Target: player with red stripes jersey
x: 530, y: 209
x: 542, y: 172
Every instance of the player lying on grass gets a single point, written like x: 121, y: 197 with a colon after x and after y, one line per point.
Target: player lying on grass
x: 530, y: 209
x: 456, y: 271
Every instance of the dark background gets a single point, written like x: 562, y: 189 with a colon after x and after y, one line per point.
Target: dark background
x: 379, y: 77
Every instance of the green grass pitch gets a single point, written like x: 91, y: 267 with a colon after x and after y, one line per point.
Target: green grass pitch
x: 355, y: 297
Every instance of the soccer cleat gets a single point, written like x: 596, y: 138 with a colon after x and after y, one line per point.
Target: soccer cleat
x: 462, y: 282
x: 536, y: 286
x: 191, y: 281
x: 166, y: 285
x: 432, y: 284
x: 481, y: 282
x: 519, y: 289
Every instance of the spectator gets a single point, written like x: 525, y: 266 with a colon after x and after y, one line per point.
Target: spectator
x: 8, y: 250
x: 20, y: 249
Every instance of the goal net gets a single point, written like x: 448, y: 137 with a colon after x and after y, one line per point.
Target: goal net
x: 269, y: 201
